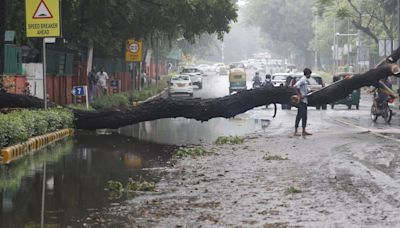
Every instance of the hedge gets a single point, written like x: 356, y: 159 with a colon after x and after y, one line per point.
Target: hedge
x: 19, y: 126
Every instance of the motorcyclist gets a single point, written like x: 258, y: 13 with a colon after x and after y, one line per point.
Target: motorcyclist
x: 268, y: 81
x: 383, y: 92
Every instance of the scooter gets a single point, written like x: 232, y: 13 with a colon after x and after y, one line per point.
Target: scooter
x: 382, y: 108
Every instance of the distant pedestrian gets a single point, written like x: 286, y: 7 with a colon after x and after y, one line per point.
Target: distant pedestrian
x: 302, y: 92
x: 92, y: 83
x: 143, y: 78
x: 102, y: 78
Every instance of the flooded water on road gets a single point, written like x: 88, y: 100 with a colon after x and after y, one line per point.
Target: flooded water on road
x: 187, y: 131
x: 76, y: 174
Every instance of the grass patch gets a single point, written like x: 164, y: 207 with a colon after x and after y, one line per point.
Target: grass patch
x: 274, y: 158
x: 293, y: 190
x: 190, y: 152
x: 231, y: 140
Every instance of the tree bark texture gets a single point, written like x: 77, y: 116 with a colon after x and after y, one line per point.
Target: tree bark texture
x: 205, y: 109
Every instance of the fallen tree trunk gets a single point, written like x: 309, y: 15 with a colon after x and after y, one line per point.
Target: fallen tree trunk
x: 10, y: 100
x: 341, y: 89
x: 229, y: 106
x: 205, y: 109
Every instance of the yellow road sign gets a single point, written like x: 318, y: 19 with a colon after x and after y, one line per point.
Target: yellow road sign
x: 133, y: 51
x: 43, y: 18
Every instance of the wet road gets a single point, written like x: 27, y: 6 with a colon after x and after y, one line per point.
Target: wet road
x: 78, y: 169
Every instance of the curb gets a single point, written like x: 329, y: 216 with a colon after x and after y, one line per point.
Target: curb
x: 15, y: 152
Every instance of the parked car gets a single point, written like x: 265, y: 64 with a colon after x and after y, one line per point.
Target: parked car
x: 352, y: 99
x: 180, y: 84
x: 195, y: 76
x: 315, y: 83
x: 279, y: 79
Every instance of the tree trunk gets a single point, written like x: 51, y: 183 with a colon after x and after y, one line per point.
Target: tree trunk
x: 205, y: 109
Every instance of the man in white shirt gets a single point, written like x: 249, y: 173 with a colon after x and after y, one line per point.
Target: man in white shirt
x: 102, y: 78
x: 302, y: 92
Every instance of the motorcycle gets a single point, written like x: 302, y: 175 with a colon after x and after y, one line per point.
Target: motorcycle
x: 382, y: 108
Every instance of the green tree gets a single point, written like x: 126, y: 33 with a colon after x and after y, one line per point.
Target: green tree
x: 284, y: 22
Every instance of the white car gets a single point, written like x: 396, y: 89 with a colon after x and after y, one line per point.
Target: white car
x: 204, y: 67
x: 195, y: 76
x: 279, y: 79
x: 180, y: 84
x: 218, y: 66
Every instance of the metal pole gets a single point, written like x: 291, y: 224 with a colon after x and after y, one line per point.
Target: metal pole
x: 43, y: 195
x: 334, y: 46
x: 44, y: 74
x: 348, y: 45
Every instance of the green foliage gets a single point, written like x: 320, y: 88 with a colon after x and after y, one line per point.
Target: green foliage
x: 189, y: 152
x: 232, y: 140
x: 283, y: 22
x: 18, y: 126
x: 126, y: 99
x: 116, y: 189
x: 145, y: 186
x: 293, y: 190
x: 112, y: 101
x: 274, y: 158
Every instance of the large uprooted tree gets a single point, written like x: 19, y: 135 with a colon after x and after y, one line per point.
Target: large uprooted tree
x: 205, y: 109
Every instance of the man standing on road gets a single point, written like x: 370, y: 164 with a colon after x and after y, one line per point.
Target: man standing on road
x: 302, y: 92
x: 102, y: 78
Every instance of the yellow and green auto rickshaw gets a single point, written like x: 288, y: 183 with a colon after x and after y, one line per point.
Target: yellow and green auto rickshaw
x: 237, y: 80
x: 353, y: 99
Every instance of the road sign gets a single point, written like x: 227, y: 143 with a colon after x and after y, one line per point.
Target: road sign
x: 43, y: 18
x: 133, y: 50
x: 78, y: 91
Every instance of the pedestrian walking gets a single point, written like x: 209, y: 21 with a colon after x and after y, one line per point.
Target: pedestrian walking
x: 302, y: 92
x: 143, y: 78
x: 102, y: 78
x: 92, y: 83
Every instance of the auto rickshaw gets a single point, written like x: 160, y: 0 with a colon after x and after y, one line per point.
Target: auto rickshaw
x: 237, y: 80
x: 351, y: 99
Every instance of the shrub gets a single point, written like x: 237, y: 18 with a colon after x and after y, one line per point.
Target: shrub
x: 18, y: 126
x: 112, y: 101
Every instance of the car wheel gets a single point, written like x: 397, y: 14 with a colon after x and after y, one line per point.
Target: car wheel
x: 349, y: 106
x: 323, y: 107
x: 357, y: 107
x: 332, y: 106
x: 191, y: 94
x: 200, y: 86
x: 169, y: 94
x: 318, y: 107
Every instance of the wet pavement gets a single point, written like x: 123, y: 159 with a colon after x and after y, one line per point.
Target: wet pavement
x: 77, y: 171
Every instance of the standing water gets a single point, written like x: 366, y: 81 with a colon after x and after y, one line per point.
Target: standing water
x: 76, y: 175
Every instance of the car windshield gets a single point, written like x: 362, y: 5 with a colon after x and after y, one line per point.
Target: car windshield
x: 179, y: 78
x: 237, y: 65
x: 279, y: 77
x: 190, y: 70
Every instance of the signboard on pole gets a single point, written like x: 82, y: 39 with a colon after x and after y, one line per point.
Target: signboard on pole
x: 43, y: 18
x: 133, y: 51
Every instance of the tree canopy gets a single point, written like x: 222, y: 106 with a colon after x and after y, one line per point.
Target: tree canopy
x: 109, y: 23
